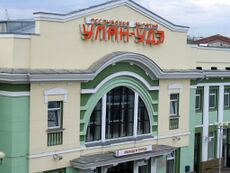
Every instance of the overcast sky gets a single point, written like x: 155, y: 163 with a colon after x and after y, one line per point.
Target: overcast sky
x: 204, y: 17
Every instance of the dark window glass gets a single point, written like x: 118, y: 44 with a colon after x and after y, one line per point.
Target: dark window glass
x: 54, y: 114
x: 174, y: 104
x: 226, y: 98
x: 119, y: 112
x: 212, y: 98
x: 94, y: 126
x: 143, y: 125
x: 198, y: 101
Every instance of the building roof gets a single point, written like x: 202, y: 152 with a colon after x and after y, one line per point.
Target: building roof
x: 213, y: 38
x: 48, y: 16
x: 109, y: 158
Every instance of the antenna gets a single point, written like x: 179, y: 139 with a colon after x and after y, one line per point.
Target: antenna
x: 7, y: 14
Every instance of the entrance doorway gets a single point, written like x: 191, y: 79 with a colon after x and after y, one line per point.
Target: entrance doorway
x: 122, y: 168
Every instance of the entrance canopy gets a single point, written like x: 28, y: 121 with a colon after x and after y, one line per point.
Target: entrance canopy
x: 109, y: 158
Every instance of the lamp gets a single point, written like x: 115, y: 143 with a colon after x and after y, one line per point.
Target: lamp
x: 57, y: 157
x: 2, y: 156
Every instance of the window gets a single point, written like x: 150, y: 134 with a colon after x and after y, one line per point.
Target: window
x: 226, y: 98
x: 211, y: 146
x: 54, y: 114
x: 174, y: 104
x: 174, y: 112
x: 120, y: 116
x: 119, y: 113
x: 55, y: 130
x: 94, y: 127
x: 143, y: 118
x: 212, y: 99
x: 198, y: 101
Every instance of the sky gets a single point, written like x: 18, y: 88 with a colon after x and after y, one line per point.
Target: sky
x: 204, y: 17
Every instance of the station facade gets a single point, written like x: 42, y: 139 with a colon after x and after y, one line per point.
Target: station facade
x: 112, y: 88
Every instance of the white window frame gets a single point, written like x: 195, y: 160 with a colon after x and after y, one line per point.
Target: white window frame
x: 135, y: 123
x: 211, y: 138
x: 212, y: 94
x: 177, y: 104
x: 226, y: 92
x: 59, y: 116
x: 198, y: 95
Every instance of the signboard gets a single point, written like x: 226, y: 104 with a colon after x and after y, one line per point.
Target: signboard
x: 116, y: 30
x: 131, y: 151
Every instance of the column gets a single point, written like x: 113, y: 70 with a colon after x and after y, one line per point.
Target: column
x: 220, y: 121
x: 205, y: 124
x: 103, y: 121
x: 153, y: 165
x: 135, y: 167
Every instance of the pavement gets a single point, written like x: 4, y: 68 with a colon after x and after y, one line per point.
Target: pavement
x: 225, y: 170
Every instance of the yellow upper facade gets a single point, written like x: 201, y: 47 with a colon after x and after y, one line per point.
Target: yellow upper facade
x: 58, y: 42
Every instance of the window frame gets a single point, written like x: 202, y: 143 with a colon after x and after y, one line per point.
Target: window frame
x: 60, y: 115
x: 199, y: 94
x: 211, y: 138
x: 176, y: 114
x: 227, y: 92
x: 135, y: 120
x: 213, y: 92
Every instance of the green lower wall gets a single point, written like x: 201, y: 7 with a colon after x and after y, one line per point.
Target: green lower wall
x: 72, y: 170
x: 14, y: 133
x: 187, y: 153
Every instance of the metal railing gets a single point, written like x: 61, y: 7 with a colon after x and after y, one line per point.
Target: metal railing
x: 54, y: 137
x: 174, y: 122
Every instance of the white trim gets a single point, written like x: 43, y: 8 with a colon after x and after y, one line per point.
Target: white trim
x: 103, y: 7
x: 220, y: 120
x: 14, y: 94
x: 173, y: 135
x: 135, y: 123
x: 213, y: 84
x: 103, y: 118
x: 55, y: 91
x: 193, y: 86
x: 14, y: 36
x: 175, y: 86
x: 205, y: 124
x: 69, y: 150
x: 210, y: 48
x: 123, y: 73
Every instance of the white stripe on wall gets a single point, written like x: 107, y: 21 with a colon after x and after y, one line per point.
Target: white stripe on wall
x: 14, y: 94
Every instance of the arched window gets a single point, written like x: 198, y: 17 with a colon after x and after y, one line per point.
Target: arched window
x: 119, y: 113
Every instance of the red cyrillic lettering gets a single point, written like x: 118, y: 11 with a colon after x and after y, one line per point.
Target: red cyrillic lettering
x: 140, y: 38
x: 124, y: 34
x: 87, y: 35
x: 100, y: 31
x: 112, y: 31
x: 160, y: 35
x: 151, y: 37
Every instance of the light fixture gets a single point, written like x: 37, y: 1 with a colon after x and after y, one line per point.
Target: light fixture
x: 2, y: 156
x: 57, y: 157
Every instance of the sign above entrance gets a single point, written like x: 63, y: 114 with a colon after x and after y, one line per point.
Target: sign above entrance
x: 116, y: 30
x: 136, y: 150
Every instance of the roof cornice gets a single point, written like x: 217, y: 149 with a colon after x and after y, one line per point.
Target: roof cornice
x: 55, y: 17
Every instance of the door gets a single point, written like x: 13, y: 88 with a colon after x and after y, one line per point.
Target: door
x: 122, y: 168
x: 197, y: 147
x: 170, y: 163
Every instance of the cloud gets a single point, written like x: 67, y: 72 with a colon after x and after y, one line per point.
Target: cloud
x: 205, y: 17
